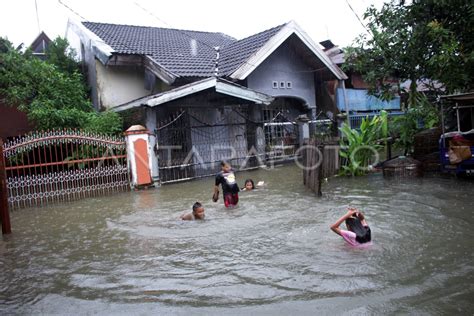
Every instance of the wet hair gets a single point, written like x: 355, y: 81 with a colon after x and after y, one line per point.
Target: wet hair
x: 224, y: 162
x: 196, y: 206
x: 362, y: 232
x: 251, y: 181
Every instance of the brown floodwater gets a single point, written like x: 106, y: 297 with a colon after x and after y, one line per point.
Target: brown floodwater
x: 273, y: 254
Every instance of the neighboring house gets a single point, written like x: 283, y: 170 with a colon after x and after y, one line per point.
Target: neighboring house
x: 355, y: 99
x: 40, y: 45
x: 14, y: 122
x: 198, y: 90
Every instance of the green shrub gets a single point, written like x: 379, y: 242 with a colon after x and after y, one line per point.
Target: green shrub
x: 358, y: 145
x: 52, y: 96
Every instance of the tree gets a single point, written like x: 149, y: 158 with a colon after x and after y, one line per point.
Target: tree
x: 426, y: 39
x: 53, y: 95
x: 423, y: 39
x: 60, y: 54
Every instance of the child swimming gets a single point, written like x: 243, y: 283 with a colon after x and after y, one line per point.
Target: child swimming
x: 197, y: 213
x: 358, y: 231
x: 250, y: 185
x: 230, y: 189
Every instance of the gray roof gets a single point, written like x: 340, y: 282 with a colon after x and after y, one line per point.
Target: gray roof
x: 238, y: 52
x: 184, y: 53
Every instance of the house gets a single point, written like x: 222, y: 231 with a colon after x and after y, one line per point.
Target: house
x: 14, y: 122
x: 40, y: 45
x: 206, y: 93
x: 355, y: 99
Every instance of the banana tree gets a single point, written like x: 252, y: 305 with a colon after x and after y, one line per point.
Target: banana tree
x: 359, y: 146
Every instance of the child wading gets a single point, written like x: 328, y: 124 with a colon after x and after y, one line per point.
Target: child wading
x: 230, y: 189
x: 358, y: 231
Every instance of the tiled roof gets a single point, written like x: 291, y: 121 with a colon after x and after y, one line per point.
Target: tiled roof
x: 236, y: 53
x: 184, y: 53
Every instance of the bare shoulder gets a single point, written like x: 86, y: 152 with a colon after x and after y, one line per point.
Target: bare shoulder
x: 187, y: 217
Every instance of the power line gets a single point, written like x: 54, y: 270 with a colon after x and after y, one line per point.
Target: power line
x: 70, y: 9
x: 37, y: 17
x: 214, y: 48
x: 182, y: 32
x: 119, y: 41
x: 357, y: 16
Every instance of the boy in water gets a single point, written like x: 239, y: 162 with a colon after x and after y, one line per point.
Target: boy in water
x: 230, y: 189
x: 197, y: 213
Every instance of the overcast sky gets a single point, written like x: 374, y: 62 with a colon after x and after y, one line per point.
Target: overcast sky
x: 320, y: 19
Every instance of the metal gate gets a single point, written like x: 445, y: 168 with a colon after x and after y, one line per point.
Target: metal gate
x: 63, y: 165
x: 192, y: 142
x: 281, y: 134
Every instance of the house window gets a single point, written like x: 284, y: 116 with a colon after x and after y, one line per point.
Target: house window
x: 275, y: 85
x: 288, y: 85
x: 282, y: 85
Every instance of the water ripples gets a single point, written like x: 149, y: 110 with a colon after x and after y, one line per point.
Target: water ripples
x: 273, y: 253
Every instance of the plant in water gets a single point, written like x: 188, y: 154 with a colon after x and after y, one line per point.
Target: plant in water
x: 359, y: 146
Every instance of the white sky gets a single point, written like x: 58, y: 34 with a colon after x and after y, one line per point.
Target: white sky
x: 320, y: 19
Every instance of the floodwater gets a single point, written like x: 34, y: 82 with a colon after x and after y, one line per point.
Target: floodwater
x: 274, y: 254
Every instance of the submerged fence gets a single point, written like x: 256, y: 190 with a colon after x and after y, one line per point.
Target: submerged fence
x: 320, y: 160
x: 356, y: 118
x: 63, y: 165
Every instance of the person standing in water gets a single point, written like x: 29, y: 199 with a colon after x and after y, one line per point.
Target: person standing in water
x: 230, y: 189
x: 197, y: 213
x: 358, y: 231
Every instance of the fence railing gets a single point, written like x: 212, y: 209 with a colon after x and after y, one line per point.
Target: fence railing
x: 63, y: 165
x: 356, y: 119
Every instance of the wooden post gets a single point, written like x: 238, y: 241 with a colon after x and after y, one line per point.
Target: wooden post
x: 346, y: 106
x: 4, y: 211
x: 320, y: 170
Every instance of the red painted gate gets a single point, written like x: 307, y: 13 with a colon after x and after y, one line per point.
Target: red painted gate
x: 63, y: 165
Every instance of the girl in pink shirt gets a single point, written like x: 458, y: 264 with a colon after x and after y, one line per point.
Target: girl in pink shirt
x: 358, y: 231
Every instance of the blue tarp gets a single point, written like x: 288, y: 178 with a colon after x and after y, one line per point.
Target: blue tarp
x: 359, y: 100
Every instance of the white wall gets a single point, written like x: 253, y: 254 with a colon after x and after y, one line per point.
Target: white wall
x: 119, y: 84
x: 284, y: 65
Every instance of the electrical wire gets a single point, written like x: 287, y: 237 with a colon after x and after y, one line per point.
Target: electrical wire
x: 119, y: 41
x: 358, y: 18
x: 205, y: 44
x: 168, y: 124
x: 37, y: 17
x: 98, y: 25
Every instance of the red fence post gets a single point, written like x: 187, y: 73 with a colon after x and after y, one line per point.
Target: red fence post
x: 4, y: 212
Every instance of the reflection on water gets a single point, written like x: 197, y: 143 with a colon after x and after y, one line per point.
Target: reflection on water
x: 128, y: 253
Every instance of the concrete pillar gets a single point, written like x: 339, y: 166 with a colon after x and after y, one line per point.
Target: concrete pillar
x: 151, y: 126
x: 139, y: 155
x: 257, y: 141
x: 303, y: 128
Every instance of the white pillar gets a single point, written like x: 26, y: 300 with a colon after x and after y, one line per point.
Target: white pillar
x: 139, y: 155
x: 151, y: 126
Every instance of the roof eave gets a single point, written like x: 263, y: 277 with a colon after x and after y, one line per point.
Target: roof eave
x: 102, y: 51
x: 241, y: 92
x: 158, y: 70
x: 290, y: 28
x: 220, y: 85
